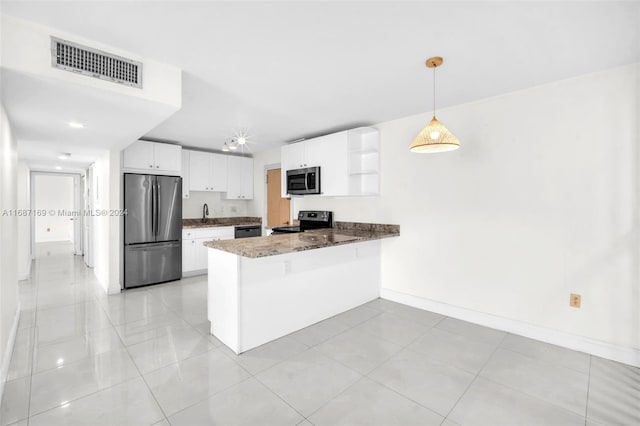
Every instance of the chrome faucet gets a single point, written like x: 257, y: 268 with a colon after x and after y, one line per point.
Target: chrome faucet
x: 205, y: 212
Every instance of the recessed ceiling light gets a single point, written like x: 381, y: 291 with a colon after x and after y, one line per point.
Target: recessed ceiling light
x: 241, y: 140
x: 64, y: 156
x: 76, y: 125
x: 58, y: 168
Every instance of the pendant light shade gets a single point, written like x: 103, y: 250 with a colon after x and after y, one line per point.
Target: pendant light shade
x: 435, y: 137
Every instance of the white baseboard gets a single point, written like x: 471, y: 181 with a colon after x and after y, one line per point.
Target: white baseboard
x: 6, y: 359
x: 630, y: 356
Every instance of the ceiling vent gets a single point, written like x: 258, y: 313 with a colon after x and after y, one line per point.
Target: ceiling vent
x: 95, y: 63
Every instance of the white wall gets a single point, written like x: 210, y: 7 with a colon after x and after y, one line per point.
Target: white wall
x: 540, y: 201
x: 107, y: 230
x: 261, y: 160
x: 24, y: 222
x: 218, y: 206
x: 52, y: 193
x: 9, y: 306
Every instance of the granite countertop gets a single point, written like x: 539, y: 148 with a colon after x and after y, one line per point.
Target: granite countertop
x: 272, y: 245
x: 221, y: 221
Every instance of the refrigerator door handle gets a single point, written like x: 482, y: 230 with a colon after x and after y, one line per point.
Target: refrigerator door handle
x: 154, y: 208
x: 153, y: 246
x: 157, y: 219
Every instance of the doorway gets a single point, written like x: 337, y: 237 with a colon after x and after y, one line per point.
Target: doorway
x: 278, y: 208
x: 57, y: 203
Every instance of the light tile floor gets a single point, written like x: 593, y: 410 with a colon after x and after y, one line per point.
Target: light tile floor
x: 145, y: 357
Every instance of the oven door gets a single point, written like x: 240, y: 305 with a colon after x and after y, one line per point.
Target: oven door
x: 313, y: 181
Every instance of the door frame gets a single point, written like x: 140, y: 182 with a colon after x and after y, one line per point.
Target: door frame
x: 78, y: 206
x: 265, y: 202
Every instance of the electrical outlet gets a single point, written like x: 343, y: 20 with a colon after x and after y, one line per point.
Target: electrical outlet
x: 574, y: 300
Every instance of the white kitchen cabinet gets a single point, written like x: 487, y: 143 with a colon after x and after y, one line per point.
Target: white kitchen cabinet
x: 152, y: 157
x: 330, y: 154
x: 348, y: 161
x: 167, y: 157
x: 188, y: 256
x: 194, y: 253
x: 207, y: 171
x: 239, y: 178
x: 199, y: 165
x: 293, y: 156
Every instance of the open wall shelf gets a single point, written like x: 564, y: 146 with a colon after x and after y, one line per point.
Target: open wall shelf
x: 364, y: 161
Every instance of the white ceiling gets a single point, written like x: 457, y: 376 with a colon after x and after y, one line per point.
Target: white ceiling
x: 290, y: 70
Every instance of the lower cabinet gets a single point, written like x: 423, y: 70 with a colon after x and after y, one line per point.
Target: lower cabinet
x: 194, y: 253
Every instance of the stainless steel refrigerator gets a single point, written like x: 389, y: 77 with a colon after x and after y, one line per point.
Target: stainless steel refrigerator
x: 152, y: 229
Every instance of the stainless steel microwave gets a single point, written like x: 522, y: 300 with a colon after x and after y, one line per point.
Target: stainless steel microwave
x: 303, y: 181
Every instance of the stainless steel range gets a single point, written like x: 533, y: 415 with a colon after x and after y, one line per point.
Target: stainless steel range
x: 309, y: 219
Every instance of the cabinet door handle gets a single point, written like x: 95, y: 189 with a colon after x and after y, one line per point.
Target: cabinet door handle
x: 151, y: 165
x: 157, y: 167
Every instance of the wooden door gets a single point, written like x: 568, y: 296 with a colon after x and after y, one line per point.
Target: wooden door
x: 278, y: 208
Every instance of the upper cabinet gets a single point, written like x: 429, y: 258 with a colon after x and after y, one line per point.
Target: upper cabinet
x: 207, y: 171
x: 294, y: 156
x: 211, y: 172
x: 240, y: 178
x: 349, y: 161
x: 152, y: 157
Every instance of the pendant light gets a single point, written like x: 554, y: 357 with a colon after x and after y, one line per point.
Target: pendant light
x: 435, y: 137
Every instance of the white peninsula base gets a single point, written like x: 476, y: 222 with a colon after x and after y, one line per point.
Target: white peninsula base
x: 252, y: 301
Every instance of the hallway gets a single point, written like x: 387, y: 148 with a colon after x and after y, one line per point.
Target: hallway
x: 75, y: 342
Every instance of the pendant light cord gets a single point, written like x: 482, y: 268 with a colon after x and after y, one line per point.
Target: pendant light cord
x: 434, y: 92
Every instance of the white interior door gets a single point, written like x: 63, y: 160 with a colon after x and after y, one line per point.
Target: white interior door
x: 88, y: 223
x: 78, y: 204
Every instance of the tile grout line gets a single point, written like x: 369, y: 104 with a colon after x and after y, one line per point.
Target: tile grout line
x: 476, y: 376
x: 433, y: 360
x: 544, y: 363
x: 33, y: 336
x: 85, y: 334
x: 36, y: 309
x: 136, y: 366
x: 586, y: 407
x: 309, y: 347
x: 209, y: 397
x: 366, y: 375
x: 279, y: 397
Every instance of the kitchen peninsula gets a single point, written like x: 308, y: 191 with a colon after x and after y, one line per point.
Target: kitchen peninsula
x: 264, y: 288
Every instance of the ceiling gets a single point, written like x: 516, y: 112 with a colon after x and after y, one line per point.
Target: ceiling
x: 288, y: 70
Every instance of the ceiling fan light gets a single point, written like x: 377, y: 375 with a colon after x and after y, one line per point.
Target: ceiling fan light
x: 444, y: 140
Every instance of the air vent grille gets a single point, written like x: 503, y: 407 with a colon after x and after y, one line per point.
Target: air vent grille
x: 95, y: 63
